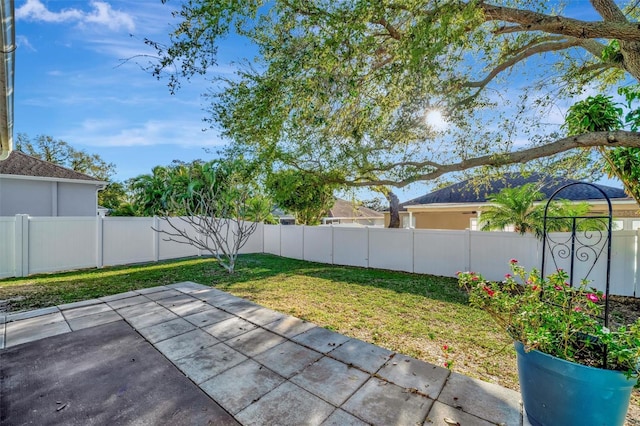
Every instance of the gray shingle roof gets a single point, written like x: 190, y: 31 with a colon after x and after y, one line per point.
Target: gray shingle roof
x: 465, y: 192
x: 19, y: 163
x: 343, y: 208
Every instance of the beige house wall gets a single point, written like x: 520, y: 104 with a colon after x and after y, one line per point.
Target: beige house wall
x: 444, y: 220
x: 454, y: 218
x: 436, y: 220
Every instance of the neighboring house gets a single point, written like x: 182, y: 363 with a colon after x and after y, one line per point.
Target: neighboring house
x: 459, y: 206
x: 342, y: 213
x: 283, y: 217
x: 346, y: 212
x: 38, y: 188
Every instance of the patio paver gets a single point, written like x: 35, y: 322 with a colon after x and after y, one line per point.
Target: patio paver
x: 185, y: 344
x: 320, y: 339
x: 166, y: 330
x: 205, y: 363
x: 255, y: 341
x: 230, y: 328
x: 289, y: 326
x: 265, y: 367
x: 446, y: 415
x: 287, y: 404
x: 93, y: 320
x: 331, y: 380
x: 85, y: 310
x: 382, y: 403
x: 288, y: 358
x: 363, y: 355
x: 485, y: 400
x: 208, y: 317
x: 241, y: 385
x: 342, y: 418
x: 412, y: 373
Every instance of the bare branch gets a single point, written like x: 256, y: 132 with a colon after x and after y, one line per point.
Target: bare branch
x: 212, y: 223
x: 533, y: 50
x: 588, y: 140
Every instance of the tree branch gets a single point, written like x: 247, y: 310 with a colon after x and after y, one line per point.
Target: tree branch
x: 532, y: 50
x: 528, y: 20
x: 588, y: 140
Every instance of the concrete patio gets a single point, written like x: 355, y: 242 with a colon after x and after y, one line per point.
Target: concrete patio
x: 263, y: 367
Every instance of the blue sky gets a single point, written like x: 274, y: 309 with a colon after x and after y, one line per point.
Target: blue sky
x: 71, y: 84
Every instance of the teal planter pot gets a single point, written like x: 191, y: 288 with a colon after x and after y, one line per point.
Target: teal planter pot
x: 559, y: 392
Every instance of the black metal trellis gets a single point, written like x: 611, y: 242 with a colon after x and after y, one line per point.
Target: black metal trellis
x: 584, y: 244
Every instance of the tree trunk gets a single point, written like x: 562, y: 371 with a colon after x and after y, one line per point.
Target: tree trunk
x: 394, y: 209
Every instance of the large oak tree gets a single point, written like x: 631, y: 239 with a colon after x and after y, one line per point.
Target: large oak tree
x: 345, y: 87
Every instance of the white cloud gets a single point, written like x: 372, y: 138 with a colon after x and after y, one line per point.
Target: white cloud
x: 113, y: 133
x: 23, y: 42
x: 101, y: 14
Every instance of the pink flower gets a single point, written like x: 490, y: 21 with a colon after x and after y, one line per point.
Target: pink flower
x: 475, y: 278
x: 507, y: 276
x: 577, y: 309
x: 513, y: 261
x: 488, y: 291
x: 557, y: 287
x: 445, y: 347
x: 592, y: 297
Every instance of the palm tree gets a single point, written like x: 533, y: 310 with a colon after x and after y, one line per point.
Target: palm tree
x: 515, y: 207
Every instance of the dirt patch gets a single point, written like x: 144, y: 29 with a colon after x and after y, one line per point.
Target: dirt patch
x: 624, y: 310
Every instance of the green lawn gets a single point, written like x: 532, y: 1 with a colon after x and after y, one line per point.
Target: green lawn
x: 409, y: 313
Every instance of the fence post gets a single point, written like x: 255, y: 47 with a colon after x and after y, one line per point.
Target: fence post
x: 303, y: 229
x: 99, y: 241
x: 156, y: 239
x: 467, y: 250
x: 636, y: 288
x: 21, y: 242
x: 413, y: 250
x: 368, y: 246
x: 333, y: 262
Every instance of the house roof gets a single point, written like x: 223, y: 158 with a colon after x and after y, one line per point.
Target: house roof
x: 344, y: 208
x: 466, y: 192
x: 21, y: 164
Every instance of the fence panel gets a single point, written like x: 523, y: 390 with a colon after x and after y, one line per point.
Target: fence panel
x: 7, y: 246
x: 171, y: 249
x: 351, y: 246
x: 391, y: 249
x: 439, y: 252
x: 490, y: 252
x: 61, y: 243
x: 292, y: 241
x: 272, y: 239
x: 318, y: 244
x: 127, y: 240
x: 624, y: 281
x: 255, y: 243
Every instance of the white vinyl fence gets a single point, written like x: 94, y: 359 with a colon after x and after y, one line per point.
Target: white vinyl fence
x: 31, y: 245
x: 441, y: 252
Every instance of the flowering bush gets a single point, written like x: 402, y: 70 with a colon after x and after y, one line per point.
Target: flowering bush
x: 551, y: 316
